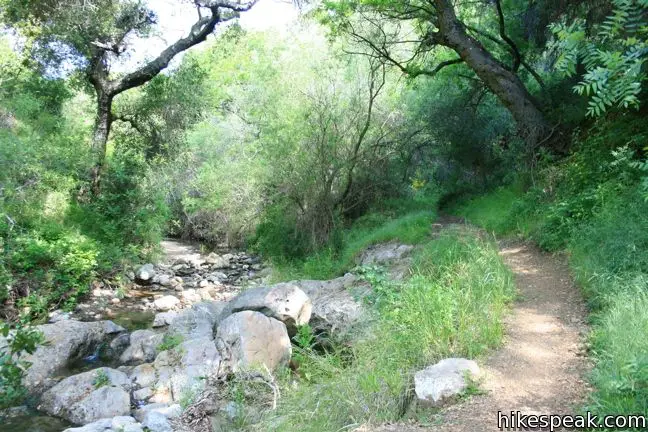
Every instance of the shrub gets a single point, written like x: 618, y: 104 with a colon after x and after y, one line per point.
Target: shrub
x: 453, y: 305
x: 22, y: 339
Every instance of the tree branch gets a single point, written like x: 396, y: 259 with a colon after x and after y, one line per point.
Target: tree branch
x: 199, y: 32
x: 517, y: 58
x: 526, y: 65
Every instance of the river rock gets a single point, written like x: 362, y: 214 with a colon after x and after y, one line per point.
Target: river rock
x: 197, y: 322
x: 166, y: 303
x: 89, y: 396
x: 335, y: 310
x: 445, y: 379
x: 217, y: 261
x: 59, y: 315
x: 143, y: 375
x: 145, y: 274
x: 164, y: 319
x: 284, y: 302
x: 250, y: 339
x: 142, y: 348
x: 66, y: 341
x: 115, y: 424
x: 384, y: 253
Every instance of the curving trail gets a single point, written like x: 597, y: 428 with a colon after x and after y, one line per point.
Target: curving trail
x: 540, y: 368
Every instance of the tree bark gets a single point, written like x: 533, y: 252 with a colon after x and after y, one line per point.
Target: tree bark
x: 102, y: 125
x: 106, y: 89
x: 505, y: 84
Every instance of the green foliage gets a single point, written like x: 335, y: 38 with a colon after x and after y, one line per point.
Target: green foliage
x: 452, y: 305
x: 169, y: 342
x: 101, y: 379
x: 591, y: 205
x: 613, y: 57
x: 374, y: 228
x: 13, y: 344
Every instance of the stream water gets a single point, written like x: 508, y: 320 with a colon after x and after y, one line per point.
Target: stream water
x: 30, y: 420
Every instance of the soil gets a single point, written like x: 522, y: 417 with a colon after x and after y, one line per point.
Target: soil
x: 541, y: 367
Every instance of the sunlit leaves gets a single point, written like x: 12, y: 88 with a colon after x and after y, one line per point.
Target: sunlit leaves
x: 613, y: 58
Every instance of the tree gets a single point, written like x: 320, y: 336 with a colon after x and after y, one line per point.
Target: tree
x: 92, y: 34
x: 614, y: 56
x: 378, y: 25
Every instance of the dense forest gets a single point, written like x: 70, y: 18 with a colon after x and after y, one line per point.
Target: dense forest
x: 355, y: 124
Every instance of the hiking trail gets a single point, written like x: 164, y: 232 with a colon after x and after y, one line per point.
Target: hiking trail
x: 541, y: 366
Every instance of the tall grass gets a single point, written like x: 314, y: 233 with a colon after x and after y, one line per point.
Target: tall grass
x: 608, y: 250
x: 452, y: 306
x: 374, y: 228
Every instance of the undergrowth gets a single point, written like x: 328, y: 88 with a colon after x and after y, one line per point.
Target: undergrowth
x: 407, y: 221
x: 451, y: 306
x: 593, y: 207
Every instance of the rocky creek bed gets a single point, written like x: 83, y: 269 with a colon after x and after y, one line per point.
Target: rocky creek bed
x: 130, y: 361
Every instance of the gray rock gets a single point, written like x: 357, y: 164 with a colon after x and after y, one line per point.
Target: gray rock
x: 67, y: 341
x: 143, y: 394
x: 88, y: 397
x: 250, y: 340
x: 384, y: 253
x: 116, y: 424
x: 156, y: 416
x: 143, y: 375
x: 190, y: 296
x: 163, y: 279
x: 142, y: 348
x: 284, y: 302
x: 217, y: 261
x: 145, y: 274
x: 118, y: 345
x: 59, y: 315
x: 443, y: 380
x: 197, y: 322
x: 164, y: 318
x: 157, y: 422
x: 335, y: 310
x: 166, y: 303
x: 98, y: 426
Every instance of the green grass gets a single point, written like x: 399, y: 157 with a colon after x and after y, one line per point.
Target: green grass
x: 452, y: 306
x: 608, y: 254
x: 497, y: 212
x: 372, y: 229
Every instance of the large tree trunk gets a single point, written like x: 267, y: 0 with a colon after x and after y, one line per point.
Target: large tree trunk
x: 505, y: 84
x: 100, y: 138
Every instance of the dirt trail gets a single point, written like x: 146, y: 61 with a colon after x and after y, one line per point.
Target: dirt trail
x: 540, y: 368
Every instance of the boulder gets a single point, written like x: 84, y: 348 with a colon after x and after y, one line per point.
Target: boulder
x: 164, y: 319
x: 59, y: 315
x: 88, y: 397
x: 166, y: 303
x: 182, y: 369
x: 384, y: 253
x: 115, y: 424
x: 335, y: 310
x: 156, y: 417
x: 118, y: 345
x: 197, y: 322
x: 66, y: 342
x: 217, y: 261
x: 284, y: 302
x: 443, y: 380
x: 164, y: 280
x: 143, y: 375
x: 145, y: 274
x: 250, y: 339
x: 142, y: 348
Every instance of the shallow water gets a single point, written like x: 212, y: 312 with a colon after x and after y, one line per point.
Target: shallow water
x: 133, y: 319
x: 32, y: 421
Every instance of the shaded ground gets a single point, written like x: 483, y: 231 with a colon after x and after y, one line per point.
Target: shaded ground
x: 541, y: 367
